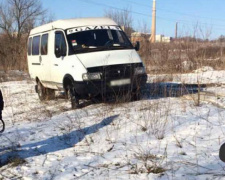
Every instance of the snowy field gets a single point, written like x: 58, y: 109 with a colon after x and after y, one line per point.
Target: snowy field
x: 158, y: 137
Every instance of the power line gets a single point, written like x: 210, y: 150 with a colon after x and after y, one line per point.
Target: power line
x: 190, y: 15
x: 112, y: 7
x: 175, y: 12
x: 140, y: 4
x: 146, y: 15
x: 192, y: 23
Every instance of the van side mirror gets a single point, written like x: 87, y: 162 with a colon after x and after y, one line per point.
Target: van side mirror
x: 137, y: 46
x: 57, y: 52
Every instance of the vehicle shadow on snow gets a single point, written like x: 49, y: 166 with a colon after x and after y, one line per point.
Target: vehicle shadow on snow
x: 54, y: 144
x: 169, y: 89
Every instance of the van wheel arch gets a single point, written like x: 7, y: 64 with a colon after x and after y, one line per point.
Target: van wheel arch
x: 67, y: 80
x: 37, y: 79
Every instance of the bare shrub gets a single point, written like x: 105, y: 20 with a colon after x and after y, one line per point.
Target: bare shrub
x: 156, y: 118
x: 13, y: 53
x: 147, y: 162
x: 16, y: 161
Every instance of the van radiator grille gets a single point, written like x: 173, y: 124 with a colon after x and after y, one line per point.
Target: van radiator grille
x: 114, y: 72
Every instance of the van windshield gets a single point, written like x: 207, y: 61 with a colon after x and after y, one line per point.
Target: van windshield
x: 91, y: 39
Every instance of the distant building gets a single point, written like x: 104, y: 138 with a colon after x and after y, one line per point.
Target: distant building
x: 162, y: 38
x: 138, y: 36
x: 158, y: 38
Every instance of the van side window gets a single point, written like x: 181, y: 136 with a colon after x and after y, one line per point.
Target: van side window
x: 60, y: 43
x: 29, y: 46
x: 44, y: 44
x: 35, y: 45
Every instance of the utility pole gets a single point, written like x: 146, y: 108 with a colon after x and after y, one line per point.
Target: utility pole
x: 153, y: 33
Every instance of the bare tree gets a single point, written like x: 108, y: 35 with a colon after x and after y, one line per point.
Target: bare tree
x: 17, y: 18
x: 17, y: 15
x: 123, y: 18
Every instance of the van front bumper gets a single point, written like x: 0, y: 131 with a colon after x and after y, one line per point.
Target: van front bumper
x: 89, y: 89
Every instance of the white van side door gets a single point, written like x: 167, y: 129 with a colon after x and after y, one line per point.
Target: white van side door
x: 59, y: 66
x: 35, y: 68
x: 45, y: 59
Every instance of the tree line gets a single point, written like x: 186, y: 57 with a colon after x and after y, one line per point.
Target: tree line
x: 17, y: 18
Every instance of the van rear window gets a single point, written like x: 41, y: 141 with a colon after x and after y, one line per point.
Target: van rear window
x: 29, y: 46
x: 35, y: 45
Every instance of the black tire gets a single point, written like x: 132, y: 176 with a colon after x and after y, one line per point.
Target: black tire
x: 41, y: 91
x: 2, y: 126
x: 66, y: 94
x: 222, y: 153
x: 73, y: 97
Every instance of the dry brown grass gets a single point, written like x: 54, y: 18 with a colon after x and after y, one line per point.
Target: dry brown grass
x: 181, y: 56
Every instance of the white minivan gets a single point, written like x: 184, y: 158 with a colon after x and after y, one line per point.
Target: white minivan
x: 85, y: 57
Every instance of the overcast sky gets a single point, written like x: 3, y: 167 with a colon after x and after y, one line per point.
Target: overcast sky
x: 209, y: 15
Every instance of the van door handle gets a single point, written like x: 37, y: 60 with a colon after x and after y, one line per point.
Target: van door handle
x: 56, y: 64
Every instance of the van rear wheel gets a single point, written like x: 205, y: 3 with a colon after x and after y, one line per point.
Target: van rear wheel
x: 41, y: 91
x: 50, y: 94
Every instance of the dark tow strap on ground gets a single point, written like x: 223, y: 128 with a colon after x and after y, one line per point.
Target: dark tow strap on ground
x: 2, y: 125
x: 222, y: 153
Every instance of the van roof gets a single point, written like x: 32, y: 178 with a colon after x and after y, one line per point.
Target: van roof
x: 71, y: 23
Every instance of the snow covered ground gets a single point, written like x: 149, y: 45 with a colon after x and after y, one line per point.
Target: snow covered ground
x: 158, y: 137
x: 203, y: 75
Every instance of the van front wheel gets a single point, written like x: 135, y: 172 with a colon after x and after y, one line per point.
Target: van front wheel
x: 136, y: 95
x: 72, y: 98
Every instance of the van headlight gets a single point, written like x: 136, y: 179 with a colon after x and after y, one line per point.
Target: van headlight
x: 139, y: 70
x: 91, y: 76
